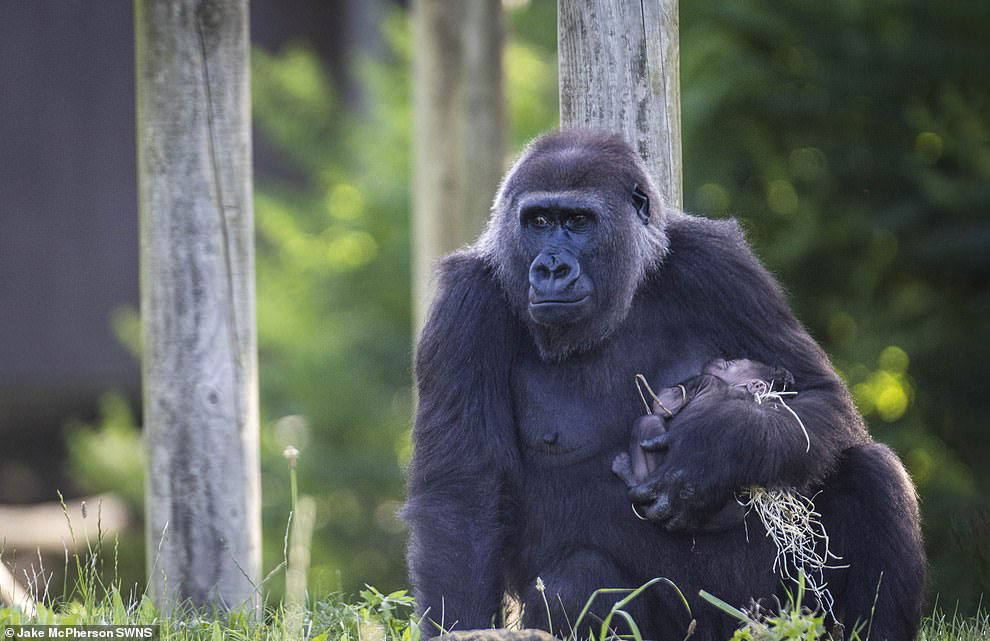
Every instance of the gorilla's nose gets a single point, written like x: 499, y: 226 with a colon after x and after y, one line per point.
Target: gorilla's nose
x: 553, y: 272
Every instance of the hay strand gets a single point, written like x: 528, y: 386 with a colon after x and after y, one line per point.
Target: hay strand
x: 641, y: 382
x: 768, y: 393
x: 796, y: 530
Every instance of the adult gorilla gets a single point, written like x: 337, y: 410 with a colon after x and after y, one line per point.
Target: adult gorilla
x: 526, y: 394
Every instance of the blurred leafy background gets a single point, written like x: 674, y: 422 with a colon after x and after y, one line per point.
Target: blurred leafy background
x: 851, y: 139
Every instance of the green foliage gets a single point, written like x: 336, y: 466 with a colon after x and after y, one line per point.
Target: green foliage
x: 796, y: 623
x: 850, y: 139
x: 333, y: 311
x: 107, y: 457
x: 333, y: 295
x: 792, y: 622
x: 531, y: 91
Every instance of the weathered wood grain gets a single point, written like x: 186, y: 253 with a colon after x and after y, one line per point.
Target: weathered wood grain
x: 619, y: 71
x: 458, y: 139
x: 199, y: 359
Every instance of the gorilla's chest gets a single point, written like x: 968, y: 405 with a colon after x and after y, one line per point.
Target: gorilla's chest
x: 585, y: 407
x: 563, y: 418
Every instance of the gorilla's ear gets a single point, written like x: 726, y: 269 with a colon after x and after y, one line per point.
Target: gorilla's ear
x: 642, y: 202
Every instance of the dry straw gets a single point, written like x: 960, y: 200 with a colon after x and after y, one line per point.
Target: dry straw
x: 796, y: 529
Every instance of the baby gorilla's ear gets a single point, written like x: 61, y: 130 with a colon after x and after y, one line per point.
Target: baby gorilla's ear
x: 756, y: 387
x: 783, y: 377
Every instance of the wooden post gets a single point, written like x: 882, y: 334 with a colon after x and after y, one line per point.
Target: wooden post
x: 458, y: 146
x: 619, y: 71
x: 199, y: 357
x: 13, y: 593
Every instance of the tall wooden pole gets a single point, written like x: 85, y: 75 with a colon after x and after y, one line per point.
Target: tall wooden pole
x: 619, y: 71
x: 458, y: 146
x: 197, y: 302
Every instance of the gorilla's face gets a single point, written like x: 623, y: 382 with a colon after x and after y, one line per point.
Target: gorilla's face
x: 742, y: 372
x: 736, y: 372
x: 572, y: 237
x: 560, y: 232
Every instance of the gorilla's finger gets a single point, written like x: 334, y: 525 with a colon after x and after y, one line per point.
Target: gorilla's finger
x: 645, y: 492
x: 659, y: 510
x: 687, y: 492
x: 677, y: 523
x: 657, y: 443
x: 621, y: 462
x: 623, y: 469
x: 649, y: 424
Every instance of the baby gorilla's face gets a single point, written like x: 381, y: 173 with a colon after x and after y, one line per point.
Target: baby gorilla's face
x: 743, y: 372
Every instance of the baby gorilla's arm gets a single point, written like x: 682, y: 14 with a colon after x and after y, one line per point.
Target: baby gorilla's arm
x: 670, y: 400
x: 697, y: 390
x: 649, y: 432
x: 635, y: 465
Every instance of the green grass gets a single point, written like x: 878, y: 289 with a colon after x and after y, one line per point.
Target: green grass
x: 939, y: 627
x: 795, y: 622
x: 374, y: 616
x: 92, y: 598
x: 369, y: 616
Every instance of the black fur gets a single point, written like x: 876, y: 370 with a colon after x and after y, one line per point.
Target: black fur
x: 518, y: 423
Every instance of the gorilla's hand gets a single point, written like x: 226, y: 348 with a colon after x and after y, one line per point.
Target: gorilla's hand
x: 677, y: 499
x: 702, y: 468
x: 622, y: 466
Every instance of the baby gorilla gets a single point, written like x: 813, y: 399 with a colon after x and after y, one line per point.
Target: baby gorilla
x: 720, y: 380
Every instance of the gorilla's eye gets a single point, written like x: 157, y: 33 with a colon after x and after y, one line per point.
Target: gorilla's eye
x: 539, y: 221
x: 579, y: 221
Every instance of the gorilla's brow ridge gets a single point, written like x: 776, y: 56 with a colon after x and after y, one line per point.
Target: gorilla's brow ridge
x: 569, y: 198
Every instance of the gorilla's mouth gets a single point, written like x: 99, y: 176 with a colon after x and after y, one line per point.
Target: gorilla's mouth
x: 557, y: 311
x: 549, y: 302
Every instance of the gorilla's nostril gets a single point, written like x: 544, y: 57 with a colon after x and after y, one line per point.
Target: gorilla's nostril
x: 553, y: 271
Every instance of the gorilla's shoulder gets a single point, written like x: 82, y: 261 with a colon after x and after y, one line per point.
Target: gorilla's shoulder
x: 713, y: 255
x: 712, y: 239
x: 467, y: 278
x: 465, y: 264
x: 470, y: 312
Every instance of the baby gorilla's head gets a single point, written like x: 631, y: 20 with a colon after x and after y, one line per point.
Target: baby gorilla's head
x: 755, y: 377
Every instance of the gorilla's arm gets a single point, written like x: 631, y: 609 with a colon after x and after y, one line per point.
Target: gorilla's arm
x: 716, y: 449
x: 463, y: 451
